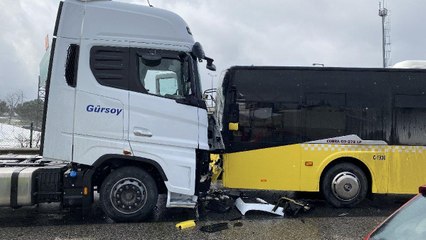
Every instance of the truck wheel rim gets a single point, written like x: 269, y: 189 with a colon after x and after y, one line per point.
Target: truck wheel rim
x: 345, y: 186
x: 128, y: 195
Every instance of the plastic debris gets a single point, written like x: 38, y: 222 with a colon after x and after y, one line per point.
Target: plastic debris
x: 186, y: 224
x: 292, y: 207
x: 257, y: 204
x: 214, y: 227
x: 238, y: 224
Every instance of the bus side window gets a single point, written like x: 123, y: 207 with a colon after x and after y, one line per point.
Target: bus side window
x: 410, y: 112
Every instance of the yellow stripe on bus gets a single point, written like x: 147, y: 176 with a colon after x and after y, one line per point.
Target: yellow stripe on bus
x: 298, y: 167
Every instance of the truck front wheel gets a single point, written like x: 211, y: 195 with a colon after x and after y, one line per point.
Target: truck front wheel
x: 344, y: 185
x: 128, y: 194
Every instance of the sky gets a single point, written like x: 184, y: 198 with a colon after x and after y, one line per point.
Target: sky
x: 336, y: 33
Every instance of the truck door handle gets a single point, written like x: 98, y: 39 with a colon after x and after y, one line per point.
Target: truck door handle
x: 142, y: 132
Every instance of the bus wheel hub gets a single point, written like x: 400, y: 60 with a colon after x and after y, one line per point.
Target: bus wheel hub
x: 345, y: 186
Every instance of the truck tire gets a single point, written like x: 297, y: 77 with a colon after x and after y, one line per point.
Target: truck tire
x: 128, y: 194
x: 344, y: 185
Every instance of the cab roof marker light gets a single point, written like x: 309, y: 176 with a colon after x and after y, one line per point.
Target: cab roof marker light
x: 92, y: 0
x: 422, y: 190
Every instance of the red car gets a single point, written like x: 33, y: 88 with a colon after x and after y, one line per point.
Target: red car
x: 408, y: 222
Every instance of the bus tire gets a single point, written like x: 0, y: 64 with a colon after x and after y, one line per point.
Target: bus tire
x: 344, y: 185
x: 128, y: 194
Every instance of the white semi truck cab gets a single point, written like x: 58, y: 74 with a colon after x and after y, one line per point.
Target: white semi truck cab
x: 124, y: 114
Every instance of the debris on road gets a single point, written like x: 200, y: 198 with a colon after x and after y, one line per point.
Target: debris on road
x: 291, y: 206
x: 343, y: 214
x: 238, y: 224
x: 218, y: 201
x: 214, y: 227
x: 186, y: 224
x: 257, y: 204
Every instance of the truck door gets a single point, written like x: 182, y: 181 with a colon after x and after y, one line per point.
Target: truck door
x: 163, y: 127
x: 101, y: 112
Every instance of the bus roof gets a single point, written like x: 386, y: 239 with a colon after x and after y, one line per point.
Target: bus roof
x: 351, y: 69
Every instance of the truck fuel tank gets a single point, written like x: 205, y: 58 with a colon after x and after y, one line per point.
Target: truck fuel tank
x: 21, y: 186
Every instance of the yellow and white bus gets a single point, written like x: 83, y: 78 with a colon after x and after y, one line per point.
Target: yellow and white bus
x: 344, y: 132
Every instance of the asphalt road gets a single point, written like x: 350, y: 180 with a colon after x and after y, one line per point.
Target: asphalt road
x: 323, y: 222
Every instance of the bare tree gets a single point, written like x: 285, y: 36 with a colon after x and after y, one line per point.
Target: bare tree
x: 3, y: 107
x: 12, y: 101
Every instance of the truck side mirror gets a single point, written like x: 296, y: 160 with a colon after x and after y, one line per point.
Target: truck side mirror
x: 234, y: 113
x: 234, y: 117
x: 198, y: 51
x: 210, y: 66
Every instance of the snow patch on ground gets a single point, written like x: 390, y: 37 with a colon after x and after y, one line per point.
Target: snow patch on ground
x: 17, y: 137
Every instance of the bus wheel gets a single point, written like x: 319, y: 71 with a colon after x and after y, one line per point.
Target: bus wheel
x: 344, y: 185
x: 128, y: 194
